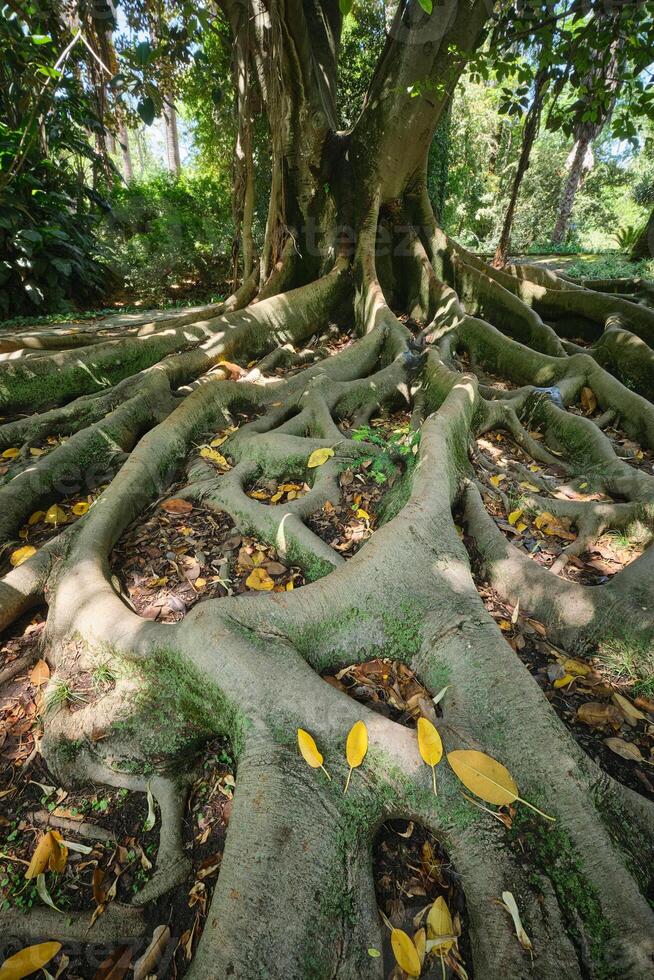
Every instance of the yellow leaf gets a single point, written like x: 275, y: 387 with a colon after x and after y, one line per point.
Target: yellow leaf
x: 534, y: 468
x: 430, y: 746
x: 28, y: 961
x: 218, y: 442
x: 564, y: 681
x: 309, y: 749
x: 318, y: 457
x: 80, y: 508
x: 37, y: 516
x: 208, y: 453
x: 258, y: 494
x: 588, y: 400
x: 51, y: 854
x: 439, y: 923
x: 20, y: 555
x: 496, y: 480
x: 363, y: 515
x: 310, y: 752
x: 55, y: 515
x: 357, y: 744
x: 405, y: 953
x: 487, y: 778
x: 505, y: 624
x: 521, y: 526
x: 36, y: 452
x: 514, y: 516
x: 429, y: 742
x: 419, y: 941
x: 200, y: 583
x: 289, y: 586
x: 576, y: 667
x: 11, y: 453
x: 355, y: 748
x: 259, y: 580
x: 529, y: 486
x: 276, y: 496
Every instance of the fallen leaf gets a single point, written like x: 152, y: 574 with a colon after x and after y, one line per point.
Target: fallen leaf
x: 487, y: 778
x: 496, y: 480
x: 34, y: 518
x: 20, y: 555
x: 318, y: 457
x: 511, y: 906
x: 11, y: 453
x: 148, y: 963
x: 44, y: 894
x: 80, y: 508
x: 50, y: 854
x: 310, y: 752
x: 177, y: 506
x: 588, y: 400
x: 515, y: 515
x: 151, y: 818
x: 259, y: 580
x: 55, y: 515
x: 625, y: 749
x: 439, y: 924
x: 599, y: 715
x: 430, y: 746
x: 115, y: 966
x: 40, y: 673
x: 208, y: 453
x: 405, y: 953
x: 631, y: 713
x: 28, y: 961
x: 355, y: 748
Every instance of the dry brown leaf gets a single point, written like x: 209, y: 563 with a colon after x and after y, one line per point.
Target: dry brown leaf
x: 148, y: 963
x: 599, y: 715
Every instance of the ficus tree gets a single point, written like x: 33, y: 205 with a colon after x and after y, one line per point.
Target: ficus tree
x: 350, y: 239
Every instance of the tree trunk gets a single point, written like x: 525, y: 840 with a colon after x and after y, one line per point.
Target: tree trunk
x: 123, y: 139
x: 532, y: 123
x: 173, y: 159
x: 570, y: 188
x: 351, y: 225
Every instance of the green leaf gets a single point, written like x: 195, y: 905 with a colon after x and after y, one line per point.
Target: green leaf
x: 426, y: 5
x: 345, y: 6
x: 145, y: 109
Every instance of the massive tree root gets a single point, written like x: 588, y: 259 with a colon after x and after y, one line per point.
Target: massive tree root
x: 432, y: 329
x: 295, y: 894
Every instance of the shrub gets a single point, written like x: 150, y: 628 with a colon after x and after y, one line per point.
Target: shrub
x: 170, y: 235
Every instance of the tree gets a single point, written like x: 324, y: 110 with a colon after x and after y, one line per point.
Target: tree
x: 349, y: 226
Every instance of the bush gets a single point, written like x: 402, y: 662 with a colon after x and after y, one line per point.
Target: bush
x: 170, y: 235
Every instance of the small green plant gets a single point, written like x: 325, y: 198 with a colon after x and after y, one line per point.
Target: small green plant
x: 103, y: 676
x: 61, y: 693
x: 627, y: 236
x: 403, y: 443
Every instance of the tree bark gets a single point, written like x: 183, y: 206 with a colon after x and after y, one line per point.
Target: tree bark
x: 173, y: 159
x: 572, y: 182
